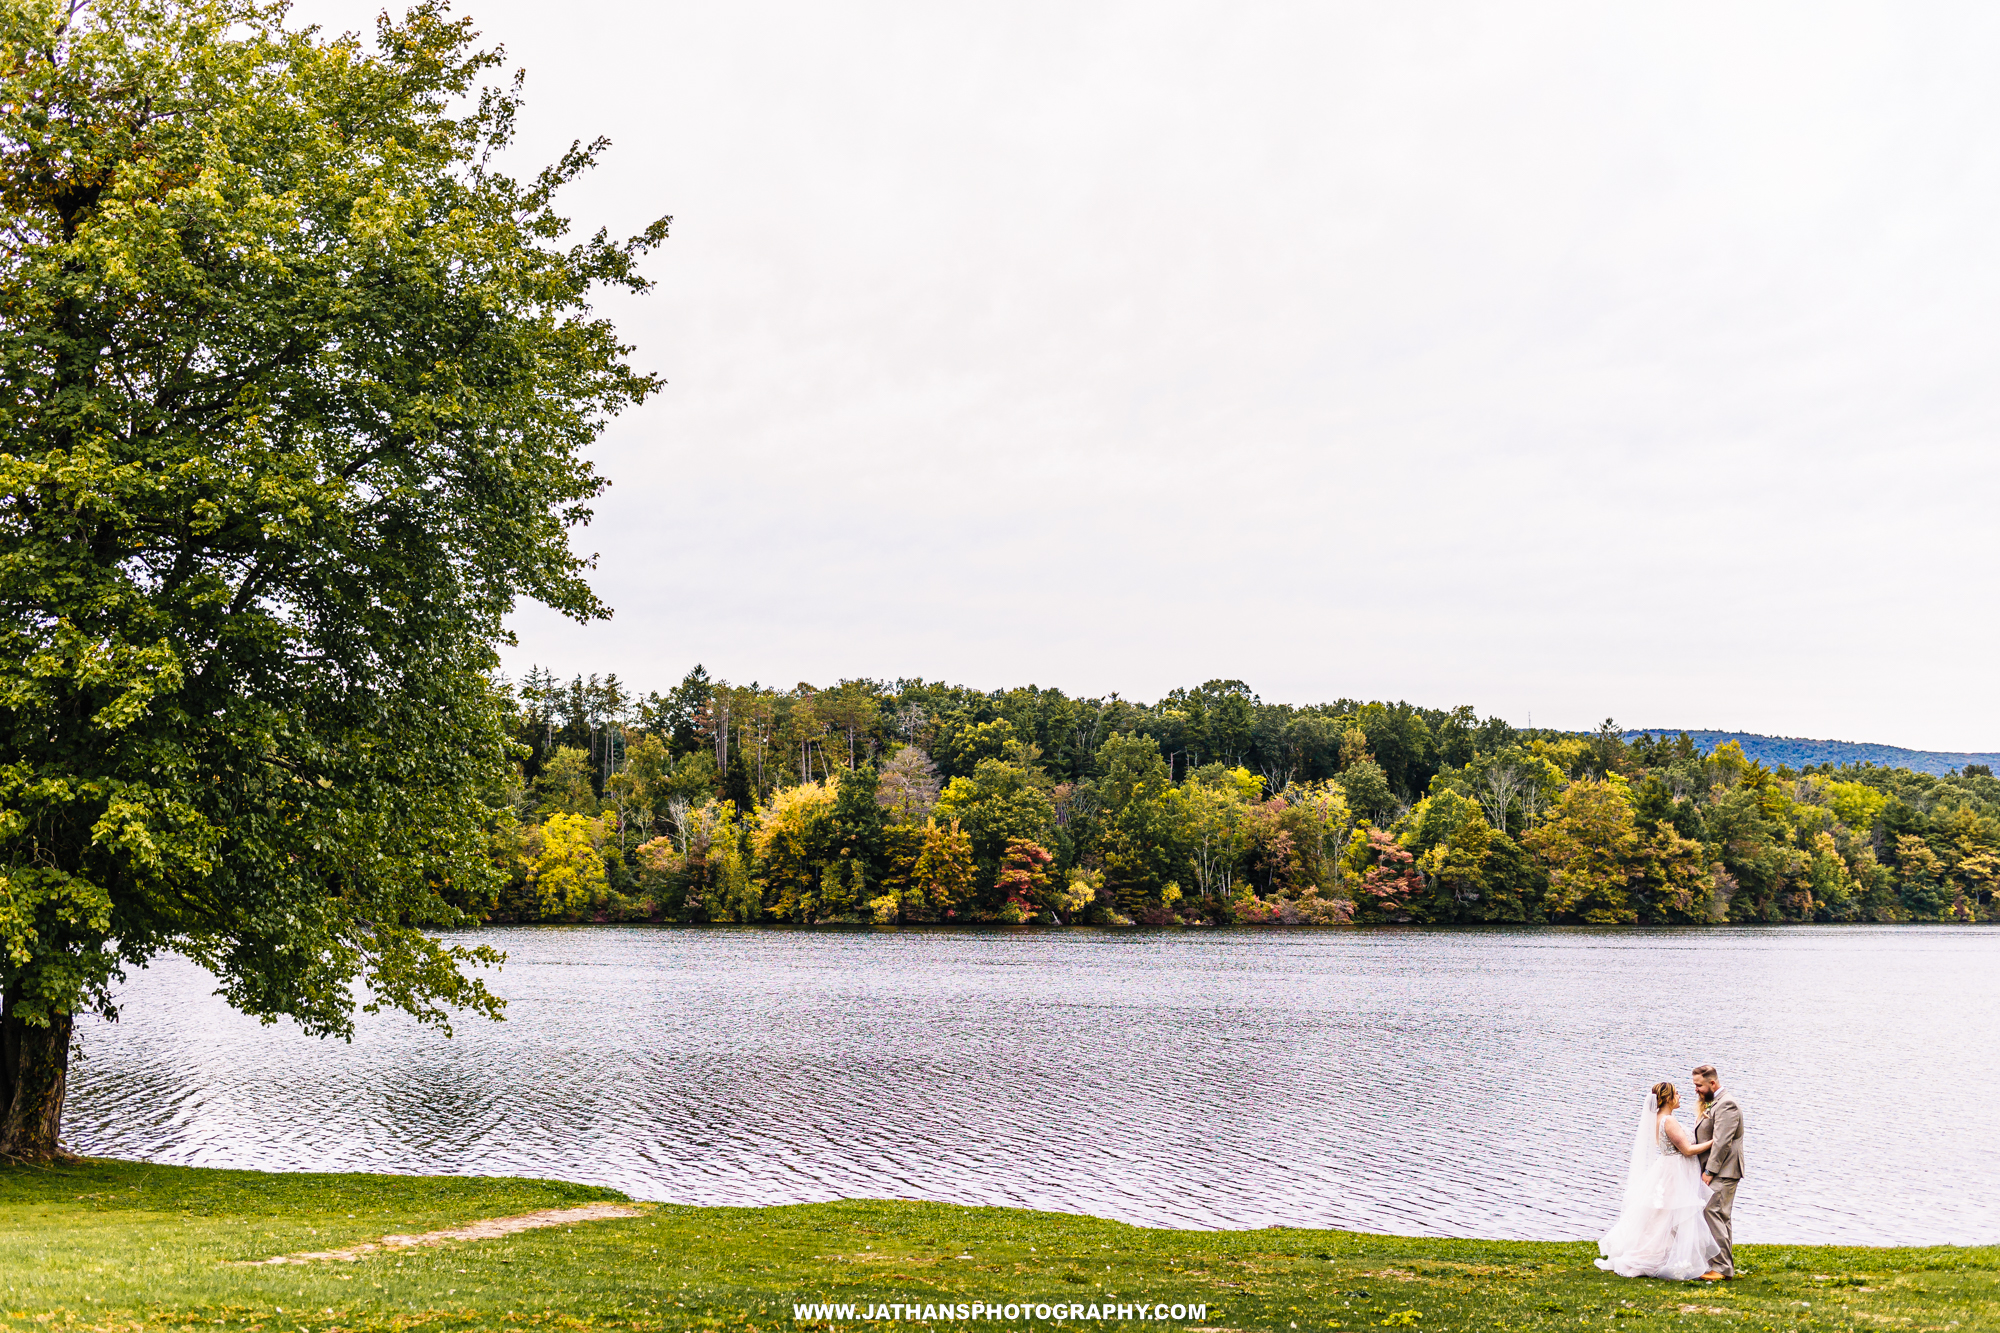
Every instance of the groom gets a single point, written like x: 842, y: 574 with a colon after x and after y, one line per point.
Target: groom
x: 1721, y: 1126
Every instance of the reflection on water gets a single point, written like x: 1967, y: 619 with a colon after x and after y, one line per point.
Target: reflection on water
x: 1428, y: 1082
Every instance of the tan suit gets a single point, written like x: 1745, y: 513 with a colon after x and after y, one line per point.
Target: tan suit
x: 1721, y: 1125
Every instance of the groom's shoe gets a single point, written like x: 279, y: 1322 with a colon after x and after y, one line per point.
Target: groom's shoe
x: 1714, y: 1276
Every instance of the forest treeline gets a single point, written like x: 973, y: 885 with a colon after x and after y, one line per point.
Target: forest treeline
x: 913, y: 801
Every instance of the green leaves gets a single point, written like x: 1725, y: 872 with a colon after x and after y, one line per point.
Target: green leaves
x: 294, y: 389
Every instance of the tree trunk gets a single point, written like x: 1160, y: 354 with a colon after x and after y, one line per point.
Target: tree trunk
x: 34, y: 1076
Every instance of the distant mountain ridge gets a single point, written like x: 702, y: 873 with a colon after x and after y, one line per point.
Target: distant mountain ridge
x: 1798, y: 752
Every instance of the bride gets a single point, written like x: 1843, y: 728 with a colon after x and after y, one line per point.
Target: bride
x: 1661, y: 1231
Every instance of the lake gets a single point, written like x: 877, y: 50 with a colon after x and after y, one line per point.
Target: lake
x: 1429, y: 1082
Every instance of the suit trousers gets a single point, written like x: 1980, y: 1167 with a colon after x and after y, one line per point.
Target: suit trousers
x: 1720, y: 1204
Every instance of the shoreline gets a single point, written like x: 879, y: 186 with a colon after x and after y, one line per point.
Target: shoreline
x: 1356, y: 927
x: 115, y: 1244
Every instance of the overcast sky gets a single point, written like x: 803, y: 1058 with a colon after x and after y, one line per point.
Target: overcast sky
x: 1569, y: 360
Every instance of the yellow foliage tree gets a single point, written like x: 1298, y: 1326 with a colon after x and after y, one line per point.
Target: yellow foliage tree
x: 945, y: 874
x: 736, y: 897
x: 1450, y: 835
x: 1214, y: 816
x: 567, y: 870
x: 1588, y: 842
x: 1080, y: 895
x: 790, y: 842
x: 1318, y: 818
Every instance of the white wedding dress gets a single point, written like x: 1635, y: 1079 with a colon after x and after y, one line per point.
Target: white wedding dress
x: 1661, y: 1231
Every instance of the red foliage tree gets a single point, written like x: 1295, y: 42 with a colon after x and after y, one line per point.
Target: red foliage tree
x: 1392, y: 881
x: 1024, y: 874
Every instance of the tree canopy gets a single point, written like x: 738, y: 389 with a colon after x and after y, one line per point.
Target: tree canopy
x: 294, y: 388
x: 1213, y: 806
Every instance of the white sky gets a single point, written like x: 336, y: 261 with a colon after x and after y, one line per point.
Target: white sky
x: 1583, y: 359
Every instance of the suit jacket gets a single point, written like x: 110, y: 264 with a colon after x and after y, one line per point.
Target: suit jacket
x: 1722, y: 1126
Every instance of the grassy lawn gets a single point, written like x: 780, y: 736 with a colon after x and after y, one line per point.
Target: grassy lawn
x: 119, y: 1245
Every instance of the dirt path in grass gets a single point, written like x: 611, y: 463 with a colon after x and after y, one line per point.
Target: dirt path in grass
x: 485, y: 1229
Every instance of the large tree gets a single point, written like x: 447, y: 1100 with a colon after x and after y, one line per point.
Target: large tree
x: 293, y: 387
x: 1589, y: 843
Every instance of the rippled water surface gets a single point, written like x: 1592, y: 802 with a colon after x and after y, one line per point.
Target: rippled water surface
x: 1439, y: 1083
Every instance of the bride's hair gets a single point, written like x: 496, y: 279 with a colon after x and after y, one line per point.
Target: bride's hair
x: 1664, y: 1097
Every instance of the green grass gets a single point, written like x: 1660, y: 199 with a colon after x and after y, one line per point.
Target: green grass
x: 127, y: 1246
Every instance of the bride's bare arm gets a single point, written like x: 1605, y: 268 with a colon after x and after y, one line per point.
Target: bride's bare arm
x: 1679, y: 1138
